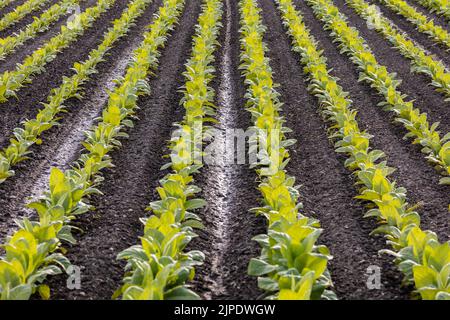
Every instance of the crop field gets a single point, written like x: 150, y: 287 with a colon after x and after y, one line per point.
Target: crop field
x: 225, y: 149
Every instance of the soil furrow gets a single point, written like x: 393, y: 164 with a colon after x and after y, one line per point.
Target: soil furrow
x: 25, y: 20
x: 228, y: 187
x: 10, y: 7
x: 413, y: 172
x: 21, y: 52
x: 439, y: 50
x: 130, y: 185
x: 61, y: 144
x: 327, y: 189
x: 416, y: 86
x: 16, y: 110
x: 438, y: 19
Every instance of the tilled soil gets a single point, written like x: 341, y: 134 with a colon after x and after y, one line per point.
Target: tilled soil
x: 61, y: 143
x: 10, y: 7
x: 327, y: 188
x: 438, y: 19
x: 25, y: 20
x: 229, y: 189
x: 416, y: 86
x: 417, y: 176
x: 435, y: 48
x: 130, y: 185
x: 21, y: 52
x: 27, y: 105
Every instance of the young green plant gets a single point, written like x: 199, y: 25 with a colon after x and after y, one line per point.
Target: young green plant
x: 41, y: 24
x: 436, y: 148
x: 421, y: 62
x: 12, y: 81
x: 292, y: 266
x: 31, y: 131
x: 32, y: 252
x: 423, y: 24
x: 11, y: 18
x: 159, y: 267
x: 423, y: 260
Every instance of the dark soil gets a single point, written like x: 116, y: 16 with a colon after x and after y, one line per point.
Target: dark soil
x: 130, y: 186
x: 413, y: 172
x: 229, y: 189
x: 16, y: 110
x: 25, y: 20
x: 416, y: 86
x: 11, y: 7
x: 61, y: 144
x: 439, y: 50
x: 438, y: 19
x: 38, y: 41
x: 327, y: 187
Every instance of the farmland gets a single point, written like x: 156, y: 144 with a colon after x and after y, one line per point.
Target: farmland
x: 224, y: 149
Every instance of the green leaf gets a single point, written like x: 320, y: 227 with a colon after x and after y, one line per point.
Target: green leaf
x: 267, y: 284
x: 195, y: 204
x: 194, y: 224
x: 443, y: 296
x: 21, y: 292
x: 259, y: 267
x: 44, y: 291
x: 181, y: 293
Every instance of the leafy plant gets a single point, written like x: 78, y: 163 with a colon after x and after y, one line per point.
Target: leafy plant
x: 422, y: 259
x: 421, y: 62
x: 41, y: 24
x: 385, y: 83
x: 11, y: 18
x: 12, y: 81
x: 68, y: 192
x: 31, y: 131
x: 291, y: 265
x: 422, y: 23
x: 159, y: 268
x: 441, y: 7
x: 5, y: 3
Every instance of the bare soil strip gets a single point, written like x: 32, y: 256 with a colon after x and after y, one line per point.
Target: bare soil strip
x: 61, y: 144
x: 327, y: 187
x: 416, y: 86
x: 229, y: 189
x: 413, y: 173
x: 409, y: 28
x: 31, y: 45
x: 16, y: 110
x: 26, y: 20
x: 438, y: 19
x: 128, y: 188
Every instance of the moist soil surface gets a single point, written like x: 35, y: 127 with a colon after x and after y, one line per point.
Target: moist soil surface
x: 27, y: 105
x: 438, y: 19
x: 130, y: 185
x: 25, y: 20
x: 417, y: 176
x: 229, y: 189
x: 435, y: 48
x: 327, y: 188
x: 416, y: 86
x: 10, y: 7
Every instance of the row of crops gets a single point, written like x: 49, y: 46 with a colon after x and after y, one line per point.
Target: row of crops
x: 293, y: 263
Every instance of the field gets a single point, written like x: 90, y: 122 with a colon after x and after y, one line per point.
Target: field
x: 117, y: 179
